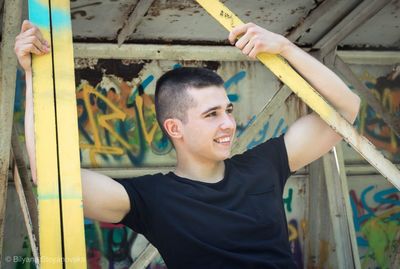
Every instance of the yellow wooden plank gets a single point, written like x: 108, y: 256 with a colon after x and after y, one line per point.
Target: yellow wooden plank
x: 68, y: 139
x: 50, y: 241
x: 311, y: 97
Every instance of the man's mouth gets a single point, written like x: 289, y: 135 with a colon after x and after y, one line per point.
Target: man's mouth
x: 223, y: 140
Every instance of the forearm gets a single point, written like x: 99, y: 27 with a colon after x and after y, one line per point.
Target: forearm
x: 326, y: 82
x: 29, y: 125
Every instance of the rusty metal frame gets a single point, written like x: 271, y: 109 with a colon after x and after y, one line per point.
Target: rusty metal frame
x: 142, y: 6
x: 174, y: 52
x: 11, y: 19
x: 29, y: 203
x: 311, y: 19
x: 208, y: 53
x: 363, y: 12
x: 391, y: 120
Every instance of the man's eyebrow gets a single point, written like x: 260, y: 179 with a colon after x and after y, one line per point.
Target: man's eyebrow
x: 230, y: 105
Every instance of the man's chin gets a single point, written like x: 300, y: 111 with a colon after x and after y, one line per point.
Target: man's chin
x: 224, y: 156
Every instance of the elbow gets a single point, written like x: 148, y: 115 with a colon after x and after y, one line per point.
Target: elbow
x: 355, y: 108
x: 32, y: 165
x: 33, y: 173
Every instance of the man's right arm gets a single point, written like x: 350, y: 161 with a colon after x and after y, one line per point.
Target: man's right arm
x: 103, y: 198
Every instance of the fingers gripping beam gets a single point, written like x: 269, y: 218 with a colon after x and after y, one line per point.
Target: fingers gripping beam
x: 310, y: 96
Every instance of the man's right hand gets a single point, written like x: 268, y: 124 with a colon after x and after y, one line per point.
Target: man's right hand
x: 30, y: 40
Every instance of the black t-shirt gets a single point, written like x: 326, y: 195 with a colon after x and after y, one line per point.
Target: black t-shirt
x: 238, y: 222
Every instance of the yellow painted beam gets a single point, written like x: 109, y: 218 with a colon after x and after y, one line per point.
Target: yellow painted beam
x: 50, y: 241
x: 310, y: 96
x: 61, y: 227
x: 68, y: 138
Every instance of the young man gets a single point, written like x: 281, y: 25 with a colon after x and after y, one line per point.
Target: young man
x: 212, y: 211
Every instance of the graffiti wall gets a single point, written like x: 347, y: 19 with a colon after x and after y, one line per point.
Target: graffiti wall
x: 384, y: 83
x: 376, y: 215
x: 294, y: 199
x: 116, y: 117
x: 117, y: 122
x: 116, y: 113
x: 375, y: 202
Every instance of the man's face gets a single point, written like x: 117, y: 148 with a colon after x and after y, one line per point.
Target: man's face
x: 210, y: 126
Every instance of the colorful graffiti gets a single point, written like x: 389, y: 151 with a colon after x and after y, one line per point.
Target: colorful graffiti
x: 376, y: 207
x: 113, y: 125
x: 296, y: 245
x: 296, y: 227
x: 387, y: 90
x: 114, y: 246
x: 117, y: 118
x: 294, y: 204
x: 264, y: 133
x: 376, y: 216
x: 116, y: 113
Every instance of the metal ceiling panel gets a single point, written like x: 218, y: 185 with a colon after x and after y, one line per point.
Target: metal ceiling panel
x: 185, y: 22
x: 100, y: 19
x: 176, y: 20
x: 382, y: 30
x: 328, y: 21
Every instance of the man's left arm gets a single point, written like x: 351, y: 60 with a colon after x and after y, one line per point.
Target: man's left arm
x: 309, y: 137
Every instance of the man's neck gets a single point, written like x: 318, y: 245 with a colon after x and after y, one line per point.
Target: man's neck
x: 210, y: 172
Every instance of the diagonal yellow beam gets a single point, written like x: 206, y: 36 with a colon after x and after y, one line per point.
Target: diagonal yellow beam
x: 310, y: 96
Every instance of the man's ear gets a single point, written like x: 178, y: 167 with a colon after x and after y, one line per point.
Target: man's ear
x: 173, y: 128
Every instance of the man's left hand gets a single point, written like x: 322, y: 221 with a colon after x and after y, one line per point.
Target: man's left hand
x: 253, y: 39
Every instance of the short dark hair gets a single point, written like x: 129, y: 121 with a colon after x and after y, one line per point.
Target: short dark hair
x: 172, y: 99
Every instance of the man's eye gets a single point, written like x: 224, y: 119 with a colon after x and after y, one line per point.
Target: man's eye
x: 212, y: 114
x: 230, y: 110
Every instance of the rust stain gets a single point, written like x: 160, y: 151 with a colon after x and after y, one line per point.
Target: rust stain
x: 159, y: 6
x: 323, y: 253
x: 320, y: 260
x: 304, y: 227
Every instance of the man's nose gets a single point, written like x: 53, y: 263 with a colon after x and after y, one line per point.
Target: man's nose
x: 228, y: 122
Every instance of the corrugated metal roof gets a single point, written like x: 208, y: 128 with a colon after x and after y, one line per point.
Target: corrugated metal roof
x: 184, y: 21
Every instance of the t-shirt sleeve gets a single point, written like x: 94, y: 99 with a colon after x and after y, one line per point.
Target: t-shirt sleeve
x: 135, y: 218
x: 273, y: 151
